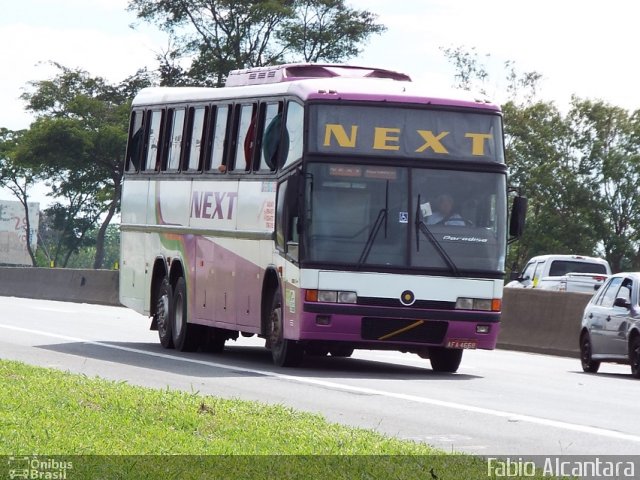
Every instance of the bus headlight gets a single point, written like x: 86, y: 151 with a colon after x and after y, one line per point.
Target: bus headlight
x: 486, y: 304
x: 327, y: 296
x: 347, y: 297
x: 330, y: 296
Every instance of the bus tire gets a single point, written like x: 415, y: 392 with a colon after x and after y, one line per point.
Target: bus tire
x: 185, y: 335
x: 445, y: 360
x: 285, y: 353
x: 164, y: 305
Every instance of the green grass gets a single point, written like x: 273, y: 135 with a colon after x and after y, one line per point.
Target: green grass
x: 124, y: 431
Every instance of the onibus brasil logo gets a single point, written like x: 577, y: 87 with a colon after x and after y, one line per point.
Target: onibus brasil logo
x: 38, y: 468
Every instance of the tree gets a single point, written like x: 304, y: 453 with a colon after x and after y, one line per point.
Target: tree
x: 327, y: 30
x: 561, y: 207
x: 542, y: 164
x: 17, y: 178
x: 222, y: 35
x: 77, y: 142
x: 470, y: 73
x: 606, y: 140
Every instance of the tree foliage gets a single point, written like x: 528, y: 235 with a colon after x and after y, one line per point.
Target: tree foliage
x: 77, y: 144
x: 216, y: 36
x: 580, y: 170
x: 17, y: 178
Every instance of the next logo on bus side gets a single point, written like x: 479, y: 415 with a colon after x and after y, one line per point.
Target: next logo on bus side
x: 213, y: 205
x: 389, y: 139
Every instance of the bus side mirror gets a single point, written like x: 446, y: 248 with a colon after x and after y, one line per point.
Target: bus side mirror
x: 518, y: 215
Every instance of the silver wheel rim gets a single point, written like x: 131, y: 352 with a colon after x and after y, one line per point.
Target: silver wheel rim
x: 164, y: 308
x: 177, y: 327
x: 276, y: 326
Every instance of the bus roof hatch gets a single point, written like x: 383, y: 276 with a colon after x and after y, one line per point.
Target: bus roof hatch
x: 297, y: 71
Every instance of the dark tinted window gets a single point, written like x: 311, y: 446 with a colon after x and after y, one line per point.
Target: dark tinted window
x: 406, y: 132
x: 136, y: 141
x: 562, y: 267
x: 218, y: 163
x: 195, y: 137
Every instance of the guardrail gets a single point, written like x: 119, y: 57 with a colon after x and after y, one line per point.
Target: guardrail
x: 63, y: 284
x: 542, y: 321
x: 538, y: 321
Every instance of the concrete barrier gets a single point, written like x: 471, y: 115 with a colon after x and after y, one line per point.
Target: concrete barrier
x: 63, y: 284
x: 532, y: 320
x: 542, y: 321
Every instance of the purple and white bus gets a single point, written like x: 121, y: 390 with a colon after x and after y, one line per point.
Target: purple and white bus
x: 324, y: 208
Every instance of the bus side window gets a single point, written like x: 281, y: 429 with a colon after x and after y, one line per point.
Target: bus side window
x: 294, y: 132
x: 174, y: 139
x: 135, y: 144
x: 153, y: 141
x: 195, y: 139
x: 270, y: 135
x: 245, y: 137
x: 218, y: 161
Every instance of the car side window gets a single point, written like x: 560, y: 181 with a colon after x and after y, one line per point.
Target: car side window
x: 537, y: 272
x: 609, y: 295
x: 527, y: 273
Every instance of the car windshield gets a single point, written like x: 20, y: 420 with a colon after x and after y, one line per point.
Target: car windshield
x: 420, y: 218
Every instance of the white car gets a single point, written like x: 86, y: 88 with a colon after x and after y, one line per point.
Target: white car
x: 610, y: 330
x: 567, y: 273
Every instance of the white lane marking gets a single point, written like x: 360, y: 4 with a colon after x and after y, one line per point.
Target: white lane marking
x: 510, y: 416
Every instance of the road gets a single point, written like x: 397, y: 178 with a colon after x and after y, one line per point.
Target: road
x: 499, y: 402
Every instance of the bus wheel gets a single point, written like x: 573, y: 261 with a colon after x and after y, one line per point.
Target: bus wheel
x: 341, y: 351
x: 285, y: 353
x: 445, y: 359
x: 185, y: 335
x: 163, y: 313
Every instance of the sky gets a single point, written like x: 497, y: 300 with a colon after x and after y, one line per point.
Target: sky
x: 582, y: 47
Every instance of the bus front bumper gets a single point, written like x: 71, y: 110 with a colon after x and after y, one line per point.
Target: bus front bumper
x: 403, y: 329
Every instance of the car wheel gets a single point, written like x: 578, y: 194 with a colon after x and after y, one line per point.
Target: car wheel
x: 634, y: 356
x: 445, y: 359
x: 588, y: 364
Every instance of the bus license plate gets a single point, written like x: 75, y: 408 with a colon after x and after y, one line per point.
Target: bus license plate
x: 467, y: 344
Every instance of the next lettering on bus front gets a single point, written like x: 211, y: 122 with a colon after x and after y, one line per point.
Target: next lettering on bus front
x: 406, y: 133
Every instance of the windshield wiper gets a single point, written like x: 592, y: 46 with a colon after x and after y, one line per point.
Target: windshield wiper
x: 422, y: 227
x: 380, y: 219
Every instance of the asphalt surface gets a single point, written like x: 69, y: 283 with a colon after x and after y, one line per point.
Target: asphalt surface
x: 499, y: 402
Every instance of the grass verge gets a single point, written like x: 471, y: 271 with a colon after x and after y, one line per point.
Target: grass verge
x: 96, y: 428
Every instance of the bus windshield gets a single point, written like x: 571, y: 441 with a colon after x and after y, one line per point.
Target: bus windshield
x: 419, y: 218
